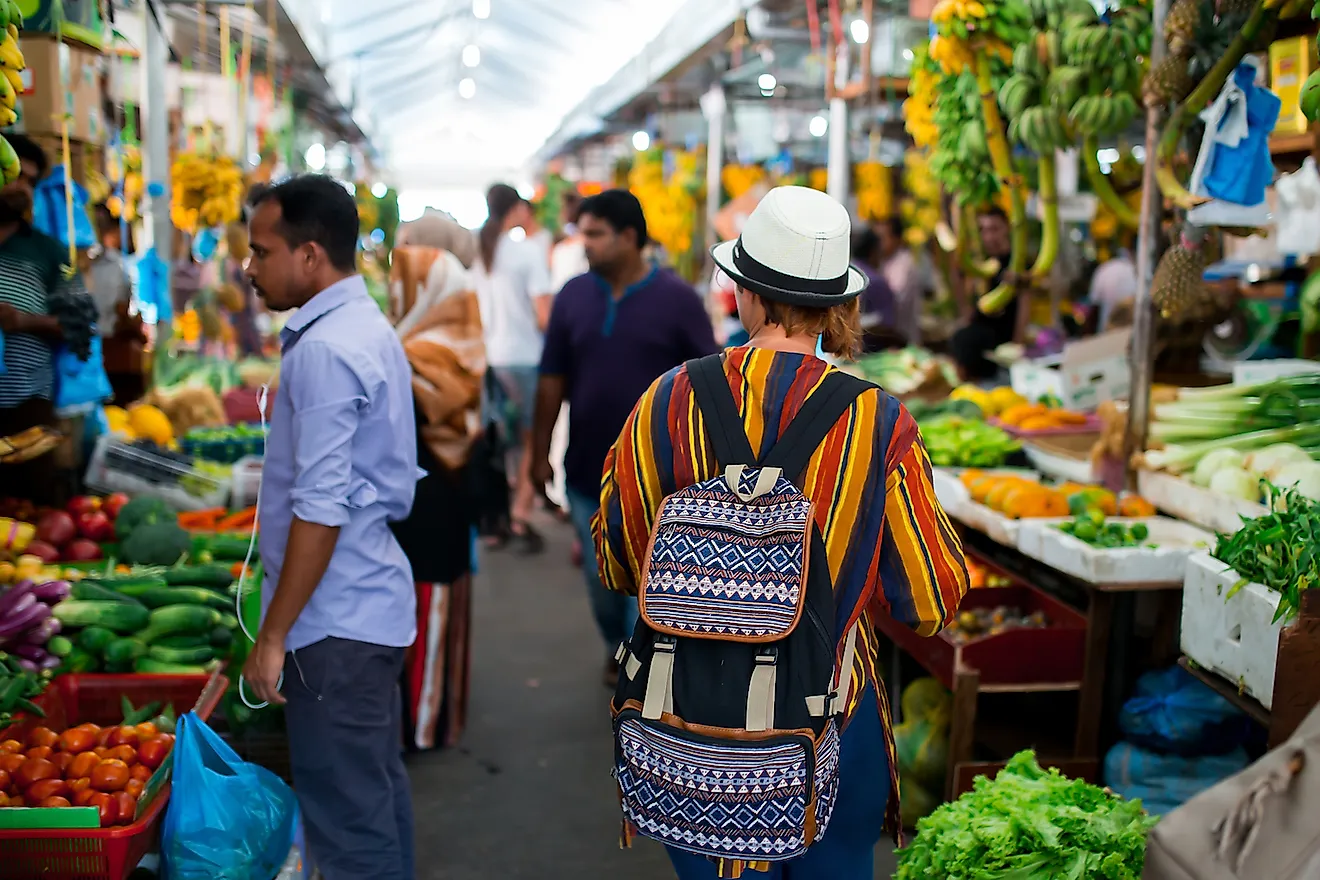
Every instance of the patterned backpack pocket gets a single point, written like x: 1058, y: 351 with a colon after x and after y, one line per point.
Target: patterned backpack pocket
x: 728, y: 559
x: 740, y: 799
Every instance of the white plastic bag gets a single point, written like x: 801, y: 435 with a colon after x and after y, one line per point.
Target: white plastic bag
x: 1297, y: 218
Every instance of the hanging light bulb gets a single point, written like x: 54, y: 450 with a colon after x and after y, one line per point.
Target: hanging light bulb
x: 481, y: 9
x: 471, y: 56
x: 379, y: 189
x: 819, y: 125
x: 641, y: 141
x: 467, y: 88
x: 860, y: 30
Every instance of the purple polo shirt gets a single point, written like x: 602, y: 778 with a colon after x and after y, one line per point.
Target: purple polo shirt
x: 610, y: 351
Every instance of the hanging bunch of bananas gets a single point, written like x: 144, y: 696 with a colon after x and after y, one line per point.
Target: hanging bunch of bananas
x: 124, y: 171
x: 875, y: 191
x: 919, y: 106
x: 670, y: 205
x: 968, y: 29
x: 920, y: 209
x: 1110, y: 58
x: 206, y: 190
x: 738, y: 179
x: 368, y: 208
x: 12, y: 64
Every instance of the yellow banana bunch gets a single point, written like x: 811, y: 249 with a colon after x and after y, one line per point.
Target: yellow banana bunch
x: 819, y: 179
x: 738, y: 179
x: 206, y: 190
x: 953, y: 54
x: 957, y: 10
x: 670, y: 206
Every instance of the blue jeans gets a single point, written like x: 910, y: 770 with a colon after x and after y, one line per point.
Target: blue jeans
x: 847, y: 852
x: 615, y: 613
x: 345, y: 721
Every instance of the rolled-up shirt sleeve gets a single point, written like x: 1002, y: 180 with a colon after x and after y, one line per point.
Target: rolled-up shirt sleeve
x: 328, y: 399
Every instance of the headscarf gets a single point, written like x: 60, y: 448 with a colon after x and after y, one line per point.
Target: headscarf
x: 434, y: 307
x: 435, y: 229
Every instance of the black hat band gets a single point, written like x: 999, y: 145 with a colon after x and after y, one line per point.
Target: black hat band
x: 754, y: 270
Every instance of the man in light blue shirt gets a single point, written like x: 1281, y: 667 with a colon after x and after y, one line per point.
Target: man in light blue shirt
x: 338, y: 603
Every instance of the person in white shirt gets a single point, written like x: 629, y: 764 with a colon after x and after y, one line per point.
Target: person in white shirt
x: 513, y: 285
x: 1113, y: 283
x: 568, y: 260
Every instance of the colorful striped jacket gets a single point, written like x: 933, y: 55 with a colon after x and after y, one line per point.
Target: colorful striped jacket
x: 891, y: 547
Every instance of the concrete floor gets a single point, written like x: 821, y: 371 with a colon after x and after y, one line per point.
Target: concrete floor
x: 528, y: 794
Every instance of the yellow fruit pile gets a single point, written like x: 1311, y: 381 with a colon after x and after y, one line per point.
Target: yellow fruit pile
x: 670, y: 206
x: 738, y: 179
x: 206, y: 191
x: 920, y: 209
x: 990, y: 403
x: 919, y: 108
x: 875, y: 191
x: 150, y: 422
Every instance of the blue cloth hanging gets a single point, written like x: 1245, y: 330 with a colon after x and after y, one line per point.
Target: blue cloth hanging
x: 1240, y: 173
x: 153, y: 288
x: 48, y: 210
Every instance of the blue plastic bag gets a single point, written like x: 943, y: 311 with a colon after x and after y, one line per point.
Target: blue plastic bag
x: 228, y: 820
x: 80, y: 385
x: 1173, y: 712
x: 50, y: 214
x: 1166, y: 782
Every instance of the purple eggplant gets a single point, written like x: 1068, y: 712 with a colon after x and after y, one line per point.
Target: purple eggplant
x: 29, y: 652
x: 41, y: 633
x: 28, y: 665
x: 13, y: 597
x: 52, y: 592
x: 51, y: 662
x: 21, y: 616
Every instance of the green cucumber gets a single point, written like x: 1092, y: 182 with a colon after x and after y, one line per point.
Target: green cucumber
x: 216, y: 577
x: 221, y: 636
x: 124, y: 651
x: 163, y: 596
x: 181, y: 655
x: 95, y: 639
x: 118, y: 616
x: 175, y: 619
x: 150, y: 666
x: 224, y: 548
x: 183, y: 641
x: 95, y: 591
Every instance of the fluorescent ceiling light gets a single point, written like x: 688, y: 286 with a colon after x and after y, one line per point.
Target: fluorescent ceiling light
x: 471, y: 55
x: 860, y: 30
x: 467, y: 88
x: 481, y: 8
x: 767, y: 82
x: 315, y: 157
x: 379, y: 189
x: 819, y: 125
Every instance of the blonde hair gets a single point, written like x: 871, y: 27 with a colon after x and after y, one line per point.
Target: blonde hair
x: 840, y: 327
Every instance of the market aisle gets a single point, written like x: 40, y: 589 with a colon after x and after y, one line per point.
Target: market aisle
x: 528, y: 794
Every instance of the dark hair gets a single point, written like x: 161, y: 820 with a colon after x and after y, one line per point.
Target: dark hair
x: 993, y: 211
x: 571, y: 205
x: 316, y: 208
x: 26, y: 148
x: 895, y: 224
x: 106, y: 221
x: 620, y: 209
x: 500, y: 200
x: 865, y: 244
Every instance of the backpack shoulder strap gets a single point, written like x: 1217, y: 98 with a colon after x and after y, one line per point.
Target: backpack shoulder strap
x: 813, y: 423
x: 720, y: 411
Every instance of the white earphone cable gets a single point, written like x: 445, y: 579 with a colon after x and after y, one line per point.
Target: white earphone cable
x: 252, y: 545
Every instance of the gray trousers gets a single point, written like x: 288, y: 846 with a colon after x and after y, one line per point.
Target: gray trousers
x: 344, y: 716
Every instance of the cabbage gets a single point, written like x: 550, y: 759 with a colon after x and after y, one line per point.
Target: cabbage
x: 1304, y: 476
x: 1236, y: 483
x: 1269, y: 461
x: 1214, y: 461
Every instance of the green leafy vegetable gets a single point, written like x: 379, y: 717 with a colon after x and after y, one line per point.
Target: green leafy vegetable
x: 1029, y: 823
x: 954, y: 441
x: 1278, y: 550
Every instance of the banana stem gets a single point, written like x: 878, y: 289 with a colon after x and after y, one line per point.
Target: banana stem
x: 1002, y: 163
x: 1104, y: 190
x: 969, y: 250
x: 1048, y: 188
x: 1202, y: 95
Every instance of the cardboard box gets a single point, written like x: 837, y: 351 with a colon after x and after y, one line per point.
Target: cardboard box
x: 1291, y: 61
x: 61, y: 79
x: 1088, y: 373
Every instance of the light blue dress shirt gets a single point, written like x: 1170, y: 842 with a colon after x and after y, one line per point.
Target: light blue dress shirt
x: 342, y: 451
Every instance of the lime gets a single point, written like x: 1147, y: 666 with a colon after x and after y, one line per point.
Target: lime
x: 1095, y: 515
x: 1140, y: 532
x: 1085, y: 531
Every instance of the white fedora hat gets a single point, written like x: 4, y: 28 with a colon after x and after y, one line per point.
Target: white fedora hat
x: 794, y: 249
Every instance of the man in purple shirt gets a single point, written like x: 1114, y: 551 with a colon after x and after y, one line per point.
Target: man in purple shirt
x: 612, y: 333
x: 340, y: 467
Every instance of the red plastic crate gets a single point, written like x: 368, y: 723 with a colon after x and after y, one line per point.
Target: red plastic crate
x: 100, y: 853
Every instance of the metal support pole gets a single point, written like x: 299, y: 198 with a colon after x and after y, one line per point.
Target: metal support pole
x: 1148, y: 232
x: 837, y: 172
x: 156, y: 160
x: 715, y: 107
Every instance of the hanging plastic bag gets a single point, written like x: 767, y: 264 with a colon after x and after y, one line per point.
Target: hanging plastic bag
x: 228, y: 820
x: 1297, y: 220
x: 1233, y: 167
x: 50, y: 214
x: 80, y: 385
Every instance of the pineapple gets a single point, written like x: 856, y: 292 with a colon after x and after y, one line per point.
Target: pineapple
x: 1177, y: 286
x: 1180, y: 26
x: 1167, y: 82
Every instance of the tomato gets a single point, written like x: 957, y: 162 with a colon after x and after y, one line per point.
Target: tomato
x: 43, y: 736
x: 80, y: 784
x: 140, y: 772
x: 113, y: 503
x: 106, y: 807
x: 55, y: 801
x: 62, y: 760
x: 127, y: 807
x: 101, y: 751
x: 11, y: 747
x: 146, y: 730
x: 40, y: 752
x: 110, y: 775
x: 83, y: 797
x: 35, y: 770
x: 135, y: 787
x: 103, y: 735
x: 4, y: 779
x: 10, y: 763
x: 4, y: 799
x: 153, y: 752
x: 77, y: 740
x: 82, y: 765
x: 127, y: 754
x: 39, y: 791
x: 123, y: 736
x: 16, y: 800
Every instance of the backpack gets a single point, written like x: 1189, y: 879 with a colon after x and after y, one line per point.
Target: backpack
x: 729, y: 705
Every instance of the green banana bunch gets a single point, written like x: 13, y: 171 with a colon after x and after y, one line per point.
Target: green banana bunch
x: 1310, y: 101
x: 9, y: 164
x: 1103, y: 114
